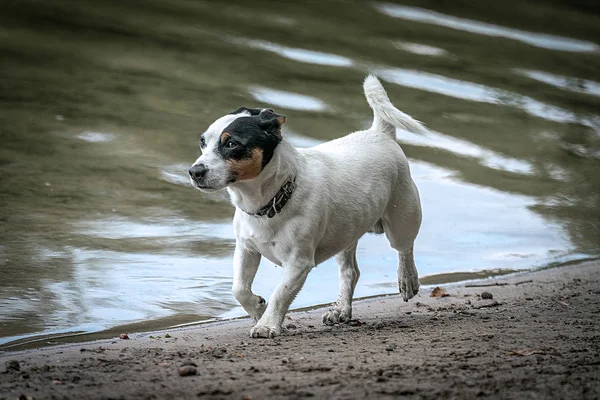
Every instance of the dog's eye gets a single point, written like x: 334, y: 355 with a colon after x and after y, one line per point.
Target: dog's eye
x: 231, y: 145
x: 202, y: 143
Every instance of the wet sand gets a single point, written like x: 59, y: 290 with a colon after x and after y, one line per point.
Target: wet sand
x: 539, y: 337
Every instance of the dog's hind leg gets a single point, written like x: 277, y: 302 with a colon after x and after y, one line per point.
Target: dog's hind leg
x: 408, y: 277
x: 401, y: 230
x: 349, y: 274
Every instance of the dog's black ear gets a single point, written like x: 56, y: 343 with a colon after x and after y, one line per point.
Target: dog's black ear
x: 271, y: 122
x: 252, y: 111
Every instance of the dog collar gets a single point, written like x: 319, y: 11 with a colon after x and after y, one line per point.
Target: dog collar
x: 275, y: 206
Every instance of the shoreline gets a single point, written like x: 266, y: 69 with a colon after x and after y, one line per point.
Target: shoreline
x: 539, y: 337
x: 59, y: 337
x: 64, y: 336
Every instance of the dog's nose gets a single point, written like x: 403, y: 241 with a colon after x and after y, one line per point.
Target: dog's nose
x: 198, y: 171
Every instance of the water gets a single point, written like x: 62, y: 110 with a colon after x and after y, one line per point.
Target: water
x: 102, y: 104
x: 545, y: 41
x: 301, y: 55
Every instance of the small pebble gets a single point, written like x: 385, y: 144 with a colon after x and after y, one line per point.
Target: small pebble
x: 123, y: 336
x: 486, y: 296
x: 188, y: 370
x: 219, y: 352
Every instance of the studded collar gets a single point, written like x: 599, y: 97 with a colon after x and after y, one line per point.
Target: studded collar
x: 275, y: 206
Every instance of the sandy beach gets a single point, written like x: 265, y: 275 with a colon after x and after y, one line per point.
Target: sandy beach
x: 537, y: 337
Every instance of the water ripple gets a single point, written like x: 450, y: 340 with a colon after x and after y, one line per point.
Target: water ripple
x: 123, y: 228
x: 542, y: 40
x: 296, y: 54
x: 564, y: 82
x: 476, y: 92
x: 421, y: 49
x: 96, y: 137
x: 463, y: 147
x: 289, y: 100
x: 176, y: 174
x: 300, y: 141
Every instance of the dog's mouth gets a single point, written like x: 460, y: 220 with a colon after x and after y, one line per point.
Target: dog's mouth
x: 211, y: 186
x: 204, y: 188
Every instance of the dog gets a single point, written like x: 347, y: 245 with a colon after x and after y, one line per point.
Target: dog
x: 300, y: 207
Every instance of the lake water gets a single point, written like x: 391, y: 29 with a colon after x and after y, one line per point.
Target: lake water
x: 102, y: 104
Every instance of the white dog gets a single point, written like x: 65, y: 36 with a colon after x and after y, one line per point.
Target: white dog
x: 299, y: 207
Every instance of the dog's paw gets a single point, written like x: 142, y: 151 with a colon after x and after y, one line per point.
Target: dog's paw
x: 409, y: 287
x: 336, y: 316
x: 262, y: 331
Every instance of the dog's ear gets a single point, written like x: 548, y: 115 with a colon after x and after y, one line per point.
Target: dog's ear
x: 271, y: 122
x: 251, y: 111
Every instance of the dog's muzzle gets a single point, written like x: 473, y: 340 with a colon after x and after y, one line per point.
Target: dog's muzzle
x: 198, y: 173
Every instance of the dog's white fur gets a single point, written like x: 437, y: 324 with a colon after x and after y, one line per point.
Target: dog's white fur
x: 344, y: 188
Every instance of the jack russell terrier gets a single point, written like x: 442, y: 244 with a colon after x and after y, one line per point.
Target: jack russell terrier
x: 300, y: 207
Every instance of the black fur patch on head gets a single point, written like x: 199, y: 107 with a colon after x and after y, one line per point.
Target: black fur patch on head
x: 241, y: 139
x: 252, y: 111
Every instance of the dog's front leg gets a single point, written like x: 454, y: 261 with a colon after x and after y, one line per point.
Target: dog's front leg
x: 269, y: 325
x: 245, y: 265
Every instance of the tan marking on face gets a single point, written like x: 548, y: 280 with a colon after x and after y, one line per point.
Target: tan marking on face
x: 247, y: 169
x: 281, y: 121
x: 225, y: 136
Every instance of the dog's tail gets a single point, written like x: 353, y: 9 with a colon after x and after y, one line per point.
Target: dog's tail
x: 386, y: 117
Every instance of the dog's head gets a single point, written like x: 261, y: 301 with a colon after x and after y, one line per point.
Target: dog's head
x: 236, y: 147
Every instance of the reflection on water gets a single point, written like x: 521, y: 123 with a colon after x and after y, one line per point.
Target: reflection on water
x: 563, y: 82
x: 472, y: 237
x: 110, y: 288
x: 302, y: 55
x: 421, y: 49
x: 176, y: 174
x: 300, y: 141
x: 476, y: 92
x: 293, y: 101
x: 462, y: 147
x: 535, y: 39
x: 100, y: 118
x: 168, y: 228
x: 95, y: 137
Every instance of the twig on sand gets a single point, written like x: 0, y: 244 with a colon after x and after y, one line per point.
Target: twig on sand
x: 488, y: 284
x: 522, y: 282
x: 498, y: 284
